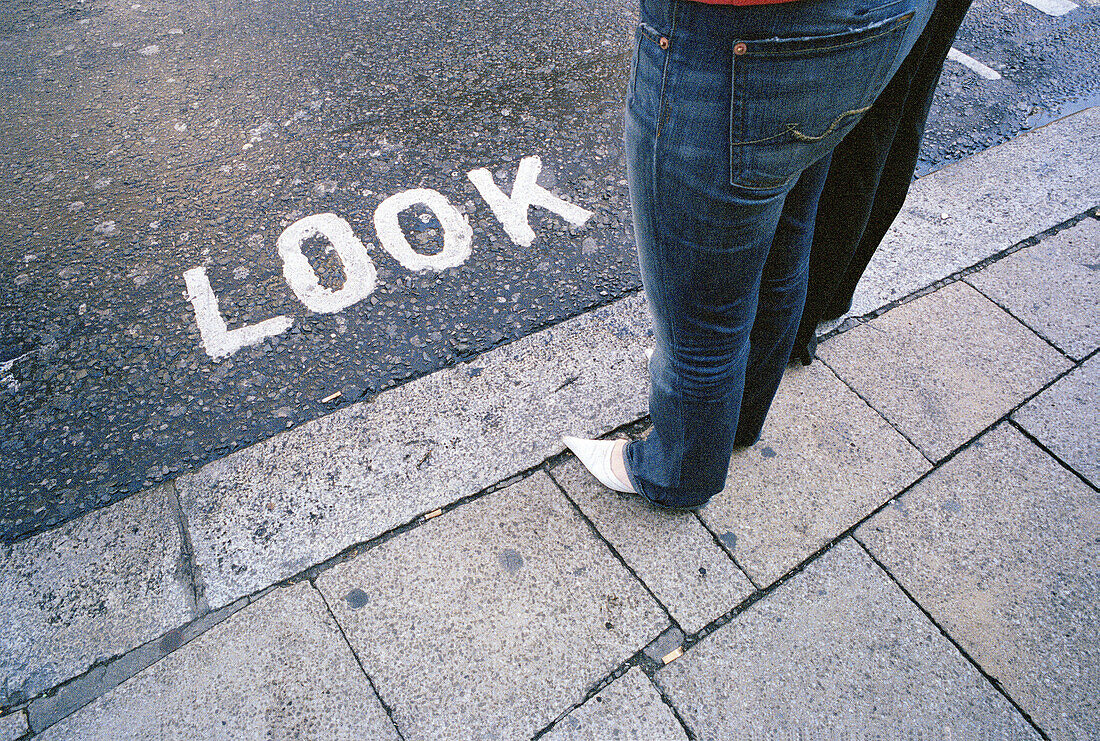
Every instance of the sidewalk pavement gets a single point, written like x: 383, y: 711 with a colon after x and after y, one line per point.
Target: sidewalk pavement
x: 912, y: 550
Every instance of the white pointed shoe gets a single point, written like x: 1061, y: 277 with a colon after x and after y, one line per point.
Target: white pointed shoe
x: 649, y: 353
x: 596, y: 457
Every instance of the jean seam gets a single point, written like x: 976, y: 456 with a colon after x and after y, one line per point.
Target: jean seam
x: 792, y: 129
x: 661, y: 112
x: 650, y: 32
x: 655, y: 178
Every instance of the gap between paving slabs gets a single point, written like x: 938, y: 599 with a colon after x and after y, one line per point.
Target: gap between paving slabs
x: 280, y: 667
x: 1014, y: 585
x: 511, y: 599
x: 802, y: 660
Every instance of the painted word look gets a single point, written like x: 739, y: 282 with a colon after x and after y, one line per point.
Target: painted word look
x: 361, y: 277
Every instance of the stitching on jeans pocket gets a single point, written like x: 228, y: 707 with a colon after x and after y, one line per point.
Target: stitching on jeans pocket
x: 832, y: 127
x: 792, y: 129
x: 648, y: 57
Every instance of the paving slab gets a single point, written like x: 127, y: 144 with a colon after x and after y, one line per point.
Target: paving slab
x: 628, y: 708
x: 960, y: 215
x: 277, y: 669
x: 13, y: 726
x: 825, y: 461
x: 1053, y: 287
x: 837, y: 652
x: 272, y: 510
x: 494, y: 617
x: 1000, y: 547
x: 671, y: 552
x: 946, y: 366
x: 91, y: 589
x: 1065, y: 419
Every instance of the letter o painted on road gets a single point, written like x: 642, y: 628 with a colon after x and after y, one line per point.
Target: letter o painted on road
x: 359, y: 271
x: 457, y: 235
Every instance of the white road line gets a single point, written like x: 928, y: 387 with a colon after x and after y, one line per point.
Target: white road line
x: 1053, y: 7
x: 973, y: 64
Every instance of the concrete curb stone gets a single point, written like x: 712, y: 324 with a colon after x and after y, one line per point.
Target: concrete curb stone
x: 279, y: 668
x: 960, y: 215
x: 93, y: 588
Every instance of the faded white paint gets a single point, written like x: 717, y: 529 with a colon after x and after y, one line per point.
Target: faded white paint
x: 512, y: 210
x: 458, y: 237
x: 217, y: 339
x: 359, y: 271
x: 973, y: 64
x: 7, y: 378
x: 1052, y: 7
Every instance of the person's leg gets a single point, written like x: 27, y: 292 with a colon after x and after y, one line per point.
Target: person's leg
x: 870, y: 175
x: 714, y: 146
x: 901, y: 161
x: 782, y: 296
x: 848, y: 196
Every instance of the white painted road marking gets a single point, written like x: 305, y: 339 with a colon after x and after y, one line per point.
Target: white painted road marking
x: 973, y: 64
x: 360, y: 275
x: 217, y: 339
x: 512, y: 211
x: 458, y: 237
x: 1053, y: 7
x: 7, y: 378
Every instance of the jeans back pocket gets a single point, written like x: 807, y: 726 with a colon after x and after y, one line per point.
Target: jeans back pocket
x: 794, y: 99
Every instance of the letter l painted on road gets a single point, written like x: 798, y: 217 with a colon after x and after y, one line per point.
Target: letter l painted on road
x: 217, y: 339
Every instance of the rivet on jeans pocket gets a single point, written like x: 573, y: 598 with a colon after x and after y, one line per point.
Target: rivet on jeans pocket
x: 663, y: 43
x: 740, y: 48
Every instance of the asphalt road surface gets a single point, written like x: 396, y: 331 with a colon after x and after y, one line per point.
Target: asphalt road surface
x: 217, y: 215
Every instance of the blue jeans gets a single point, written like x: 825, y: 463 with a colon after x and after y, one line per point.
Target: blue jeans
x: 731, y: 115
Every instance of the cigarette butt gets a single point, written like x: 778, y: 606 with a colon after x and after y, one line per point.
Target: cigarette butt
x: 669, y: 658
x: 330, y: 397
x: 436, y: 513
